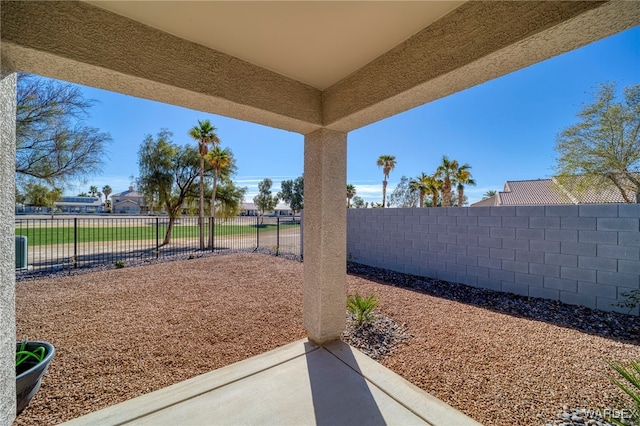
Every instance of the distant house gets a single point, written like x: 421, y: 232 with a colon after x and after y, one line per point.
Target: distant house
x: 128, y: 202
x: 79, y: 204
x: 250, y: 209
x: 548, y: 192
x: 66, y: 204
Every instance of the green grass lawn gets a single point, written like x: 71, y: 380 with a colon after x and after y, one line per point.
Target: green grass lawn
x: 64, y: 235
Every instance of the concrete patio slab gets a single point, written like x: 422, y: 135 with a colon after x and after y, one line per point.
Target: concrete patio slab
x: 297, y: 384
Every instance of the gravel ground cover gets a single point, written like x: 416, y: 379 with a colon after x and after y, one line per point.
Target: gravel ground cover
x: 120, y: 333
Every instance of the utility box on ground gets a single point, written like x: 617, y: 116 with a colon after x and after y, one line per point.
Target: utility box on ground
x: 21, y: 252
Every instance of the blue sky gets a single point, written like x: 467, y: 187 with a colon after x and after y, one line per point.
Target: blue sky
x: 505, y: 128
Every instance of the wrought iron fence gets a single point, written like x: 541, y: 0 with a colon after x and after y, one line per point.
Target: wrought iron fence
x: 50, y: 244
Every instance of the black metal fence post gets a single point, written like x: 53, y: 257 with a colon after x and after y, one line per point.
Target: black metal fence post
x: 257, y: 232
x: 157, y: 237
x: 212, y: 231
x: 277, y: 235
x: 75, y: 242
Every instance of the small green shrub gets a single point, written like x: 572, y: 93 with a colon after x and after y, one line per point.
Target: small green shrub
x: 630, y: 385
x: 362, y: 307
x: 119, y: 264
x: 633, y: 300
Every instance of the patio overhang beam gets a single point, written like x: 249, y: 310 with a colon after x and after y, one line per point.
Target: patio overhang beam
x: 477, y: 42
x: 81, y: 43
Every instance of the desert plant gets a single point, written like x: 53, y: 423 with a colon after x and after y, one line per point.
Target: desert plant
x: 23, y: 355
x: 630, y: 385
x: 633, y: 300
x: 361, y: 308
x: 119, y: 264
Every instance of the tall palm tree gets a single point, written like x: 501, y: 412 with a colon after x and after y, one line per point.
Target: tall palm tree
x: 219, y: 159
x: 106, y: 190
x: 447, y: 172
x: 463, y: 177
x: 93, y: 190
x: 205, y: 134
x: 421, y: 185
x: 434, y: 186
x: 388, y: 163
x: 351, y: 192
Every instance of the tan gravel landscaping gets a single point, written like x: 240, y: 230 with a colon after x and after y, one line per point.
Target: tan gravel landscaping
x: 121, y: 333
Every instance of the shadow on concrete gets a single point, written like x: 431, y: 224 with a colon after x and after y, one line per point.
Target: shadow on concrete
x: 340, y: 396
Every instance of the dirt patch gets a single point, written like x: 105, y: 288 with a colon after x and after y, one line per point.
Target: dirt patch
x: 126, y: 332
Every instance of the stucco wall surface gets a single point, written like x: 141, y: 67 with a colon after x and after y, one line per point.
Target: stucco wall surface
x: 7, y: 248
x: 582, y: 255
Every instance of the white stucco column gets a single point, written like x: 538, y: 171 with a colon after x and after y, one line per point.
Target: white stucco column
x: 324, y: 239
x: 7, y: 247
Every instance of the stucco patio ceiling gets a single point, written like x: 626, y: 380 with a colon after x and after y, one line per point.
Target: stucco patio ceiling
x: 316, y: 43
x: 296, y: 65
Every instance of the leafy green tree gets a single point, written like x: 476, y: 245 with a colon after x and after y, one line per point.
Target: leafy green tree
x: 39, y: 195
x: 53, y: 143
x: 21, y: 198
x: 206, y: 135
x: 167, y: 174
x: 292, y: 193
x: 351, y: 192
x: 388, y: 163
x: 603, y: 149
x: 264, y: 201
x: 402, y: 195
x: 463, y: 177
x: 230, y: 198
x: 82, y: 194
x: 358, y: 202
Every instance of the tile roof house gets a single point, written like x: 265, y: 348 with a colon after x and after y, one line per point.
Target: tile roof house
x: 128, y: 202
x: 550, y: 191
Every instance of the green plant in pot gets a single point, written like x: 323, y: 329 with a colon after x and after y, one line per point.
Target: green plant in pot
x: 32, y: 361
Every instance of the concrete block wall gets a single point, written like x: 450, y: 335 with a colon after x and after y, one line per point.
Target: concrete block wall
x: 580, y: 254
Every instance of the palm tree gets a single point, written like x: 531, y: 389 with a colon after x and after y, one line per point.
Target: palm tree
x: 106, y: 190
x: 434, y: 186
x: 447, y: 172
x: 421, y: 185
x: 219, y: 159
x: 463, y: 177
x: 490, y: 193
x: 351, y: 192
x: 93, y: 190
x: 388, y: 163
x: 205, y: 134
